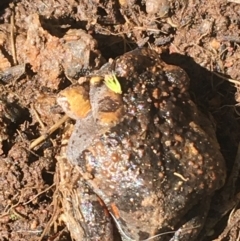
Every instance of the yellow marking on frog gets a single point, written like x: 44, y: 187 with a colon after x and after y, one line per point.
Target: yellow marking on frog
x: 112, y: 83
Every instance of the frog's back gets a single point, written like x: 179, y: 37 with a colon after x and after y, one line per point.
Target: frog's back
x: 161, y: 159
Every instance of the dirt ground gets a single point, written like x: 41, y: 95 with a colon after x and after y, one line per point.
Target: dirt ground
x: 47, y: 45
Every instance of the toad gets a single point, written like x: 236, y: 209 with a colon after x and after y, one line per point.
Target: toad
x: 146, y: 151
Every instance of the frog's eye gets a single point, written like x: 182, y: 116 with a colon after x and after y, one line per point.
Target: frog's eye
x: 112, y: 83
x: 75, y: 102
x: 95, y: 80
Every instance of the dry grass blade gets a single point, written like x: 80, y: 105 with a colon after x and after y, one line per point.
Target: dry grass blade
x: 49, y: 132
x: 236, y: 82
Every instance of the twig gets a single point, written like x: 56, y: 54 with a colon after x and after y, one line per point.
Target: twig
x: 236, y: 82
x: 180, y: 176
x: 148, y: 29
x: 45, y: 190
x: 37, y: 116
x: 10, y: 208
x: 238, y: 238
x: 234, y: 1
x: 49, y: 132
x: 55, y: 214
x: 13, y: 37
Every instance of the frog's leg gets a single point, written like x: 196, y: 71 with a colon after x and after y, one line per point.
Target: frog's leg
x: 96, y: 221
x: 195, y: 220
x: 83, y: 213
x: 225, y: 200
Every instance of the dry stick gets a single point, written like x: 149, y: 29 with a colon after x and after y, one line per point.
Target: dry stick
x: 234, y: 1
x: 12, y: 207
x: 235, y: 170
x: 229, y: 221
x: 13, y: 38
x: 231, y: 203
x: 236, y: 82
x: 229, y: 227
x: 49, y: 132
x: 37, y: 116
x: 47, y: 227
x: 238, y: 238
x: 9, y: 207
x: 45, y: 190
x: 55, y: 213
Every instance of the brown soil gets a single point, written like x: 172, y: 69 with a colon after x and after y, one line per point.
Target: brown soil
x: 47, y: 45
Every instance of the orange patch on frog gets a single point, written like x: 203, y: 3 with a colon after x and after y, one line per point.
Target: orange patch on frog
x: 115, y: 210
x: 75, y: 101
x: 110, y: 112
x: 108, y: 119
